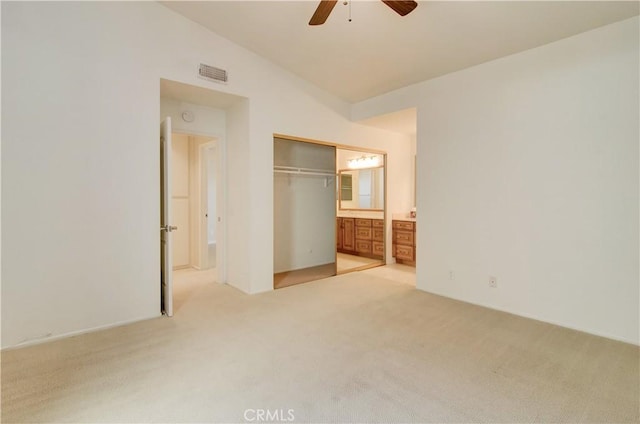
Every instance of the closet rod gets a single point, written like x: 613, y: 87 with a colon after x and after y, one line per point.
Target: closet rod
x: 320, y: 174
x: 305, y: 171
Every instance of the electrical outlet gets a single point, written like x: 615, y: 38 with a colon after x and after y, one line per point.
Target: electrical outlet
x: 452, y: 275
x: 493, y: 282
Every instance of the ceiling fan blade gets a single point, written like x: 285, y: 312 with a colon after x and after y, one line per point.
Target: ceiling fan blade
x: 402, y: 8
x: 323, y: 11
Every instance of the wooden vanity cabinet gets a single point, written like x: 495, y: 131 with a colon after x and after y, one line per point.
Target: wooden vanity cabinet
x: 404, y: 242
x: 363, y: 236
x: 377, y: 239
x: 346, y: 237
x: 360, y: 236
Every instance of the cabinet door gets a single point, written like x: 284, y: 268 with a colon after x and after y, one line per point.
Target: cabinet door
x: 363, y: 246
x: 377, y: 249
x: 403, y: 225
x: 403, y: 237
x: 363, y: 223
x: 348, y: 234
x: 404, y: 252
x: 339, y: 234
x: 363, y: 233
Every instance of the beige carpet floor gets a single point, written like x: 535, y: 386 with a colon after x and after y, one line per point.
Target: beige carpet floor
x: 360, y: 347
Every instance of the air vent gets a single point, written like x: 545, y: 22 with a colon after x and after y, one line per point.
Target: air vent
x: 212, y: 73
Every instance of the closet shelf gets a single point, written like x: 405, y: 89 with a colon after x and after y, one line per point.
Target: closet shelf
x: 303, y: 171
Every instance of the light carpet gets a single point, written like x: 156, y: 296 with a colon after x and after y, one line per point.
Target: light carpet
x: 360, y: 347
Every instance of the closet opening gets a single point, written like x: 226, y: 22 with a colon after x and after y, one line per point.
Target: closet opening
x: 304, y: 192
x: 329, y: 210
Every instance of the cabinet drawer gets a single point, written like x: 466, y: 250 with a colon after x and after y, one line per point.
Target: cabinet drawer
x: 378, y: 234
x: 403, y: 237
x: 363, y: 233
x: 377, y: 248
x: 363, y: 246
x: 363, y: 222
x: 404, y: 252
x: 377, y: 223
x: 403, y: 225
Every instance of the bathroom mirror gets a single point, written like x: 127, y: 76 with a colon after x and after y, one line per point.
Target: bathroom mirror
x: 361, y: 189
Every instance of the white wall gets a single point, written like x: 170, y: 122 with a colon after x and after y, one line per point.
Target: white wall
x: 238, y: 239
x: 207, y: 120
x: 305, y: 223
x: 413, y: 169
x: 528, y: 171
x: 68, y: 189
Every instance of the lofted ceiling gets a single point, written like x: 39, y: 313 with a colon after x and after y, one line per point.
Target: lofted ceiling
x: 379, y: 51
x: 401, y: 121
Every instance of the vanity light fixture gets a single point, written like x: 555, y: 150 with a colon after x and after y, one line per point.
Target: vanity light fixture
x: 364, y: 162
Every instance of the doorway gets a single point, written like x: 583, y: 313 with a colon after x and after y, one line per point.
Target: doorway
x: 194, y: 188
x: 198, y: 111
x: 192, y: 205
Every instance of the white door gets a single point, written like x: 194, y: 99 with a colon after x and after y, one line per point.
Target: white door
x: 166, y: 250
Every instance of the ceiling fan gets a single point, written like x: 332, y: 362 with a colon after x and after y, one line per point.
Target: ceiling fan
x: 325, y: 7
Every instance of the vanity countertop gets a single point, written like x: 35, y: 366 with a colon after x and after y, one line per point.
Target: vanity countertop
x: 361, y: 214
x: 402, y: 217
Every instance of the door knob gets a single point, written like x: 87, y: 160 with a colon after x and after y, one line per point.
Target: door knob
x: 168, y: 228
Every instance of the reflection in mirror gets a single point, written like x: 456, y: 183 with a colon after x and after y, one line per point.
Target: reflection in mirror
x: 362, y: 189
x: 360, y: 203
x: 346, y: 187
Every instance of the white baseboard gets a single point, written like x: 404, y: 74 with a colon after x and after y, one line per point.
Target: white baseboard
x: 51, y: 338
x: 535, y: 318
